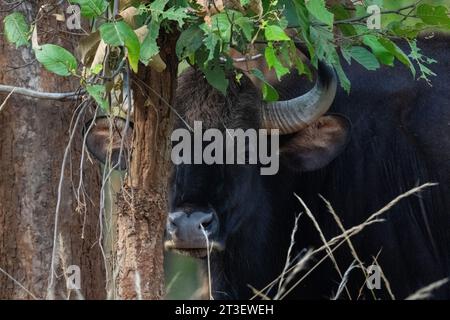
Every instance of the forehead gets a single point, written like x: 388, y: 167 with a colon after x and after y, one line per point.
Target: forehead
x: 197, y: 100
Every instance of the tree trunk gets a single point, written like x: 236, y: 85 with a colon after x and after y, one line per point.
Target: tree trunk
x: 142, y: 210
x: 33, y: 137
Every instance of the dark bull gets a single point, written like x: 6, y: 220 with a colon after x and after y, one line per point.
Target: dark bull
x: 399, y: 138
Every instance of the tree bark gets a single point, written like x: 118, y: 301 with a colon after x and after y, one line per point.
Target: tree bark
x: 142, y: 210
x: 33, y: 137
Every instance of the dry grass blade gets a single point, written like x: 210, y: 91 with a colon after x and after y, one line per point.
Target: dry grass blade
x: 208, y: 248
x: 426, y: 292
x: 172, y: 282
x: 354, y: 230
x: 400, y: 197
x: 349, y: 233
x: 299, y: 266
x: 324, y: 240
x: 258, y: 293
x: 347, y: 239
x: 343, y: 283
x: 374, y: 218
x: 383, y: 276
x: 288, y: 256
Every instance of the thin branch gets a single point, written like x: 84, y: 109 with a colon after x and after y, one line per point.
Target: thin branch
x: 42, y: 95
x: 19, y: 284
x: 14, y: 5
x: 51, y: 285
x: 358, y: 19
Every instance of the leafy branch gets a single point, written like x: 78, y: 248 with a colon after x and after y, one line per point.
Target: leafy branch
x: 266, y: 30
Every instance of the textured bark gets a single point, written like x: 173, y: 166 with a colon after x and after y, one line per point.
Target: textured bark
x: 33, y: 137
x: 142, y: 210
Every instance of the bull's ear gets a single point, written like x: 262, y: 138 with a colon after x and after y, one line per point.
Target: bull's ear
x: 104, y: 138
x: 317, y: 145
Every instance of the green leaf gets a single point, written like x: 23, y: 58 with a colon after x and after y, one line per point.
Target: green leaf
x: 398, y: 53
x: 246, y: 25
x: 318, y: 9
x: 343, y: 80
x: 56, y: 59
x: 364, y: 57
x: 402, y: 30
x: 96, y: 69
x: 176, y: 14
x: 345, y: 50
x: 422, y: 60
x: 91, y: 8
x: 382, y: 54
x: 340, y: 13
x: 211, y: 41
x: 97, y: 91
x: 322, y: 42
x: 216, y: 77
x: 120, y: 34
x: 149, y: 47
x: 275, y: 33
x: 334, y: 60
x: 16, y: 29
x: 157, y: 7
x: 434, y: 15
x: 296, y: 14
x: 274, y: 62
x: 269, y: 92
x: 220, y: 23
x: 189, y: 41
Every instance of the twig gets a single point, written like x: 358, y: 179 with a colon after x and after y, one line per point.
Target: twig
x: 14, y: 5
x: 41, y: 95
x: 50, y: 287
x: 357, y: 19
x: 18, y: 283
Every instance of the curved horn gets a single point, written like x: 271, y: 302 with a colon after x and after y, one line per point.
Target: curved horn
x: 293, y: 115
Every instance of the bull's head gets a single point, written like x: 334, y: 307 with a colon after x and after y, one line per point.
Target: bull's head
x: 214, y: 201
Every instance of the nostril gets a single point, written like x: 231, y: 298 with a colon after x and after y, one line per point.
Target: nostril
x: 191, y: 226
x: 205, y: 224
x: 174, y: 220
